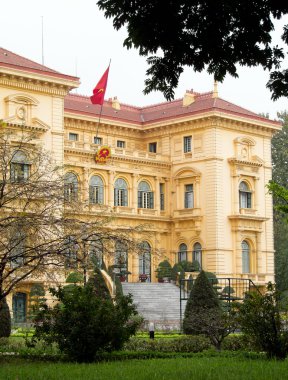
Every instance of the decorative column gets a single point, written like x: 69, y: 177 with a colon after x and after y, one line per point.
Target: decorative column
x: 111, y: 188
x: 85, y: 185
x: 157, y: 195
x: 134, y: 192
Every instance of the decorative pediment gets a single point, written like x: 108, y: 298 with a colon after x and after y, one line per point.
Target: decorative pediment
x: 255, y: 161
x: 187, y: 172
x: 19, y: 109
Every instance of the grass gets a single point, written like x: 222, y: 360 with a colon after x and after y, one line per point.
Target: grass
x: 202, y: 368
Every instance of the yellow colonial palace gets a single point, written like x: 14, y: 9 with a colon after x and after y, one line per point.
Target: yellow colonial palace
x: 194, y: 169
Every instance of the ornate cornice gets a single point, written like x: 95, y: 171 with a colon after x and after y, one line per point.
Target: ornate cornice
x: 34, y: 84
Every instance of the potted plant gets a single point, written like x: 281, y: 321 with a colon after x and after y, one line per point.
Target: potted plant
x: 164, y: 271
x: 143, y: 277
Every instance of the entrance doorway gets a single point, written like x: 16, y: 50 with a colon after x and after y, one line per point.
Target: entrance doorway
x: 145, y: 262
x: 19, y: 307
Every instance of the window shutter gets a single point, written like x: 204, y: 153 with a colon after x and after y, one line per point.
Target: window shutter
x: 151, y: 200
x: 91, y: 198
x: 115, y: 197
x: 249, y: 203
x: 125, y: 197
x: 139, y: 199
x: 100, y: 195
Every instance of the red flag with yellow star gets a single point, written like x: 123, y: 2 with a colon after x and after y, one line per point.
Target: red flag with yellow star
x: 99, y: 90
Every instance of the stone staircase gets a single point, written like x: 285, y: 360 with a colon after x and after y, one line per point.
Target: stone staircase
x: 157, y: 302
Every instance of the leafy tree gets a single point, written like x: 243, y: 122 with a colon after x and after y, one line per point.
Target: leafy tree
x: 205, y: 35
x: 83, y: 324
x: 260, y: 318
x: 5, y: 319
x: 204, y: 314
x: 40, y: 233
x: 277, y: 187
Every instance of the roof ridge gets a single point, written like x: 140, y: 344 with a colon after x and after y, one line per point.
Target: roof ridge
x: 29, y: 60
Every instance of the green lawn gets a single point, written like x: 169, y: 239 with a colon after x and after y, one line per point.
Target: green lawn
x: 209, y: 368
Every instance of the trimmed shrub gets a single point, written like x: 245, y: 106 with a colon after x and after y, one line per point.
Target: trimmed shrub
x: 5, y: 319
x: 203, y: 313
x: 99, y: 285
x: 164, y: 270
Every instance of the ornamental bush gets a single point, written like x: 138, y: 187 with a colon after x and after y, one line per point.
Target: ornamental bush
x: 261, y: 318
x: 164, y: 270
x: 5, y: 319
x: 84, y: 324
x: 204, y: 314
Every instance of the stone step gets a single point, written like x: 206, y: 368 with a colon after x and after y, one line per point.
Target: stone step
x: 157, y: 302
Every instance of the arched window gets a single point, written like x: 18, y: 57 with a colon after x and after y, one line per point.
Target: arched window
x: 71, y: 252
x: 145, y: 260
x: 19, y: 169
x: 96, y: 251
x: 96, y: 190
x: 197, y: 253
x: 182, y: 254
x: 245, y: 257
x: 120, y: 192
x: 145, y: 195
x: 70, y: 187
x: 121, y: 260
x: 244, y: 195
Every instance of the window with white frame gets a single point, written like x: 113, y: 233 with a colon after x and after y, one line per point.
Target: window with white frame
x: 98, y: 140
x: 96, y: 251
x: 153, y: 147
x: 197, y: 254
x: 162, y: 196
x: 245, y: 257
x: 73, y: 136
x: 145, y: 260
x: 145, y: 195
x: 187, y: 144
x: 121, y: 144
x: 245, y: 195
x: 189, y: 196
x: 70, y: 187
x: 96, y: 190
x: 121, y: 260
x: 71, y: 252
x: 182, y: 253
x: 120, y: 192
x: 17, y: 249
x: 19, y: 167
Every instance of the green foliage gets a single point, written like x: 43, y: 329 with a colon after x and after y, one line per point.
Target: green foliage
x: 83, y: 324
x: 278, y: 188
x: 164, y: 270
x: 260, y: 317
x: 204, y: 314
x: 5, y: 319
x: 74, y: 278
x: 37, y: 294
x: 181, y: 344
x: 205, y: 36
x: 177, y: 272
x: 98, y: 284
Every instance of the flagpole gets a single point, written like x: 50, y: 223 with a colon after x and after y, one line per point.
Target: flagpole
x: 100, y: 114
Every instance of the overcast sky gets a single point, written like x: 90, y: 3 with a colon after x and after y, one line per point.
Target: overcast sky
x: 79, y: 41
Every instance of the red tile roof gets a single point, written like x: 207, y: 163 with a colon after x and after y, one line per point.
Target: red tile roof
x: 203, y: 103
x: 12, y: 60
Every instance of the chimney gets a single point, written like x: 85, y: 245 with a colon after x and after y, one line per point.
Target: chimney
x: 116, y: 103
x: 215, y: 90
x: 188, y: 98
